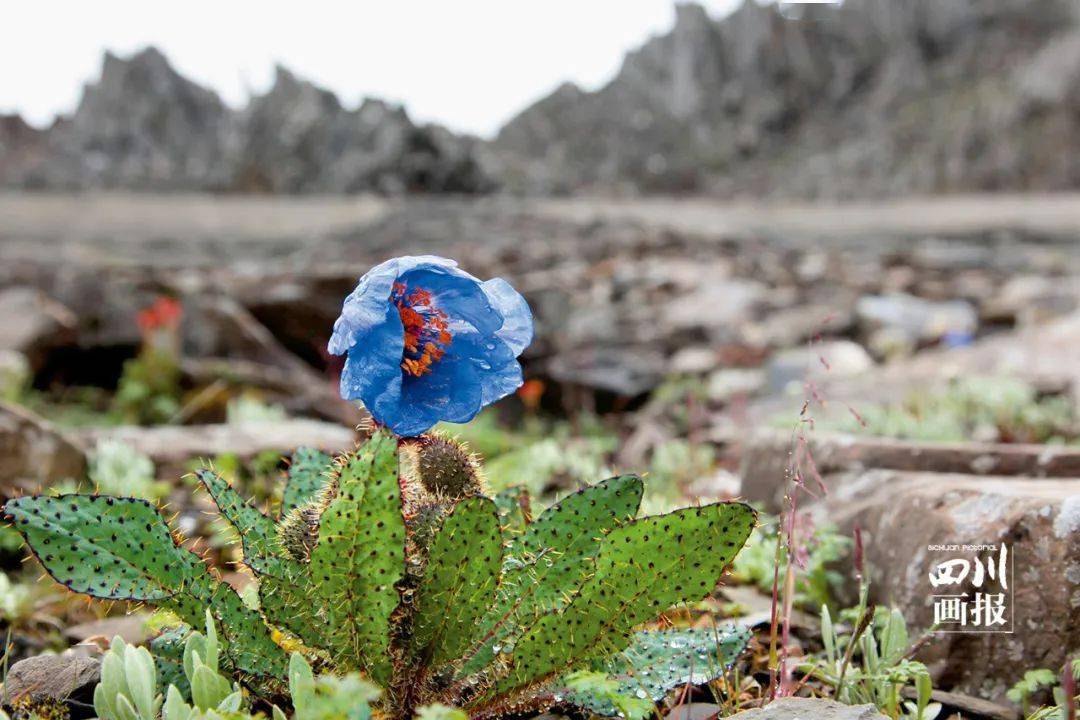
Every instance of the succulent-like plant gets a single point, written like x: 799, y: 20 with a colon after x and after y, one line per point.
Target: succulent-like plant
x: 406, y: 573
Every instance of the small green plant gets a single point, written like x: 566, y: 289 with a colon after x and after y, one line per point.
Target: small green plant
x: 149, y: 388
x: 391, y: 562
x: 1065, y: 699
x: 327, y: 697
x: 128, y: 689
x: 872, y: 664
x: 248, y: 408
x: 997, y: 409
x: 17, y: 600
x: 815, y: 583
x: 1032, y: 682
x: 128, y: 686
x: 15, y: 375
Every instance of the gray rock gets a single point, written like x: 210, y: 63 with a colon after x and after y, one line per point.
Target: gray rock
x: 909, y: 496
x: 131, y: 628
x: 33, y: 324
x: 796, y: 708
x: 299, y: 138
x: 61, y: 677
x: 915, y: 320
x: 903, y: 515
x: 1030, y: 299
x: 715, y: 306
x: 32, y: 449
x: 624, y: 372
x: 693, y: 360
x: 730, y: 383
x: 834, y: 359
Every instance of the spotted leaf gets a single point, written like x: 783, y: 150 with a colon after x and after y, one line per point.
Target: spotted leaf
x: 657, y: 661
x: 459, y: 581
x: 643, y: 568
x: 551, y: 559
x: 360, y: 556
x: 308, y: 474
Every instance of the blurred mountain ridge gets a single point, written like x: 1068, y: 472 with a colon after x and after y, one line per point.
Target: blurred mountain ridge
x: 144, y: 126
x: 872, y: 98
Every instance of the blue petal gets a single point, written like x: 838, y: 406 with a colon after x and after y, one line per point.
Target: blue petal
x: 452, y: 389
x: 499, y: 383
x: 372, y: 370
x: 364, y: 307
x: 497, y: 367
x: 458, y: 294
x: 517, y: 328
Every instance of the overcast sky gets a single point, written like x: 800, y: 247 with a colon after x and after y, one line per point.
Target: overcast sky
x: 469, y: 64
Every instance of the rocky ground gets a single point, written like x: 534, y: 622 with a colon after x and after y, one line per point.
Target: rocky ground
x: 727, y: 325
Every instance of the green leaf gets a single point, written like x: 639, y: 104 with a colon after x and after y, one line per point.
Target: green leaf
x: 308, y: 474
x: 360, y: 556
x: 121, y: 548
x: 552, y: 559
x: 459, y: 582
x: 168, y: 651
x: 286, y: 602
x: 657, y: 661
x: 175, y: 708
x: 643, y: 568
x: 111, y: 548
x: 208, y: 688
x: 258, y: 534
x: 142, y: 679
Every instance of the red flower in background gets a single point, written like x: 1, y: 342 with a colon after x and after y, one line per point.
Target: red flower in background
x: 164, y: 313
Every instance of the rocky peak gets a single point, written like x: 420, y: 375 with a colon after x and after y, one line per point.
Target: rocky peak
x: 875, y: 97
x: 144, y: 126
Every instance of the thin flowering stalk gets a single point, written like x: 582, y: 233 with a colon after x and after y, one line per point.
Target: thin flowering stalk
x: 801, y: 463
x: 1068, y: 687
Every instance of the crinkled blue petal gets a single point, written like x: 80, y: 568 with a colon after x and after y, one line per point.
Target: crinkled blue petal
x: 517, y: 327
x: 364, y: 307
x: 452, y: 392
x: 372, y: 371
x: 496, y: 363
x: 457, y: 294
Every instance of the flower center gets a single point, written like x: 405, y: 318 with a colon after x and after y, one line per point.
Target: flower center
x: 427, y: 333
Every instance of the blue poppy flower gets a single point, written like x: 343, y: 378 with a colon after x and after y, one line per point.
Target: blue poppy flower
x: 426, y: 341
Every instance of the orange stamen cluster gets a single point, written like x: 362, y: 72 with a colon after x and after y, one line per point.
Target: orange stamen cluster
x: 427, y: 332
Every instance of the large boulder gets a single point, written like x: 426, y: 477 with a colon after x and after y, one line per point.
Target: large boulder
x: 905, y: 517
x: 33, y: 324
x: 70, y: 676
x: 33, y: 451
x: 299, y: 138
x: 766, y: 456
x: 141, y: 125
x: 913, y: 499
